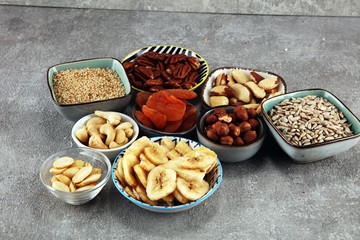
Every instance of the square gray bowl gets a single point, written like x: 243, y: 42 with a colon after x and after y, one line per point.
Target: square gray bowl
x: 317, y: 151
x: 74, y: 112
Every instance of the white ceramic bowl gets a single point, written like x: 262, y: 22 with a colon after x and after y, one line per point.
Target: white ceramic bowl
x: 96, y: 159
x: 110, y: 153
x: 226, y: 153
x: 214, y: 179
x: 317, y: 151
x: 208, y: 85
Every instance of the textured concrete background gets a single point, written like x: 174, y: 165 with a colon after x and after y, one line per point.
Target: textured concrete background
x: 273, y: 7
x: 266, y: 197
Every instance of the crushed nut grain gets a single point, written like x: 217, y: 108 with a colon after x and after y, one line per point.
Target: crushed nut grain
x: 86, y: 85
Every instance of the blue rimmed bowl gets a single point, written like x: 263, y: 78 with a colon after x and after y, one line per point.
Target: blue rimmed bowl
x: 214, y: 178
x: 316, y: 151
x: 203, y: 70
x: 74, y: 112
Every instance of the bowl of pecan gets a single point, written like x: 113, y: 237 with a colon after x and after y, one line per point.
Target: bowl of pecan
x: 233, y: 132
x: 241, y: 86
x: 166, y: 112
x: 311, y: 125
x: 160, y: 67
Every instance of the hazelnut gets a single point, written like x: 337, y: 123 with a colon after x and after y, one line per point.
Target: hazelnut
x: 238, y: 141
x: 253, y: 123
x: 211, y: 134
x: 226, y: 140
x: 251, y: 112
x: 211, y: 119
x: 244, y: 127
x: 234, y: 130
x: 222, y: 129
x: 249, y: 136
x: 242, y: 115
x: 233, y: 117
x: 220, y: 112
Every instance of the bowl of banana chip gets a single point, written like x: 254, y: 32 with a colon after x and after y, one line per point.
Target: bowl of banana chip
x: 166, y: 174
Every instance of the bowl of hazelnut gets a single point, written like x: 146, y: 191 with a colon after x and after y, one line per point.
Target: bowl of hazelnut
x: 235, y: 133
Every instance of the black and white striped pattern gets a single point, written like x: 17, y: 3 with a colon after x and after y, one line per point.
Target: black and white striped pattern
x: 203, y: 70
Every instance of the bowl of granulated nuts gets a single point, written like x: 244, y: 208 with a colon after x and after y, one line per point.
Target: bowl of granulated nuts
x: 79, y: 88
x: 311, y: 125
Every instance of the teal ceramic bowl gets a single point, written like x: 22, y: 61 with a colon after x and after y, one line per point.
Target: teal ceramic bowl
x: 74, y: 112
x: 316, y: 151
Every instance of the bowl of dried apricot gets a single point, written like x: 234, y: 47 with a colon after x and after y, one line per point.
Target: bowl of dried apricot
x: 165, y: 112
x: 160, y: 67
x: 234, y: 133
x: 75, y: 175
x: 79, y: 88
x: 166, y: 174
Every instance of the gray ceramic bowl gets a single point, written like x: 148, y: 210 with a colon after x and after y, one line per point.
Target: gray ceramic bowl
x: 208, y: 85
x: 317, y: 151
x: 110, y: 153
x: 74, y: 112
x: 226, y: 153
x: 96, y: 159
x: 214, y: 178
x: 154, y: 133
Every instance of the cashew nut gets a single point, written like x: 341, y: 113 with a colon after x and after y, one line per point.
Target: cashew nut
x: 93, y: 126
x: 113, y: 118
x: 120, y: 136
x: 96, y: 142
x: 109, y: 131
x: 124, y: 125
x: 129, y: 132
x: 114, y: 144
x: 82, y: 134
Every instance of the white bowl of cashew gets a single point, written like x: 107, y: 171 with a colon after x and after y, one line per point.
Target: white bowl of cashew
x: 111, y: 153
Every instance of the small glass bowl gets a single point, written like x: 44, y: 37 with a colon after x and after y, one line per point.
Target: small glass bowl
x: 95, y: 158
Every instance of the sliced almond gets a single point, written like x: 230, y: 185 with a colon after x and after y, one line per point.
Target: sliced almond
x: 53, y: 179
x: 60, y: 186
x: 72, y: 187
x: 63, y: 162
x: 86, y: 187
x: 64, y: 179
x: 90, y: 179
x: 78, y: 163
x: 95, y: 170
x: 57, y: 171
x: 82, y: 174
x: 70, y: 172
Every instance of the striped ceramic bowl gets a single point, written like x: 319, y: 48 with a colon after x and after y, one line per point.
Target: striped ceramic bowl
x: 203, y: 70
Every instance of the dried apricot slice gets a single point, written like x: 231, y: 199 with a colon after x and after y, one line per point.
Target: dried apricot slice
x: 189, y: 121
x: 190, y: 110
x: 158, y: 119
x: 181, y: 93
x: 167, y: 104
x: 141, y: 117
x: 141, y: 98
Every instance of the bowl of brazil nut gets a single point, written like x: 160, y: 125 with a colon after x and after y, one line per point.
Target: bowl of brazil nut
x: 106, y: 132
x: 311, y: 125
x: 79, y: 88
x: 75, y: 175
x: 241, y: 86
x: 235, y: 133
x: 166, y: 174
x: 160, y: 67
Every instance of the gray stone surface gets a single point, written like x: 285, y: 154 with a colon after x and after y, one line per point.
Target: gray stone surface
x: 273, y: 7
x: 266, y: 197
